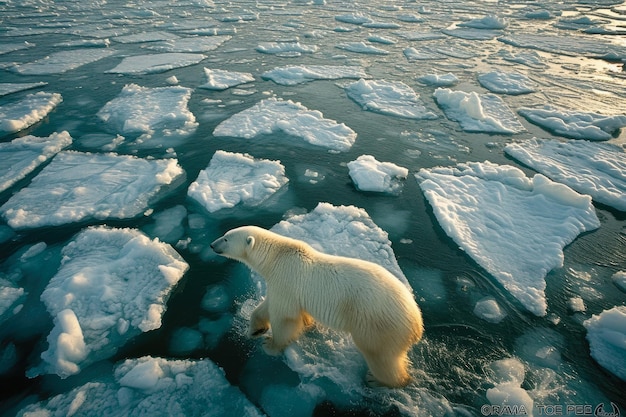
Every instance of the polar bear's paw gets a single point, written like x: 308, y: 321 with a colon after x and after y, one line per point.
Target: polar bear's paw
x: 270, y: 348
x: 254, y: 333
x: 371, y: 381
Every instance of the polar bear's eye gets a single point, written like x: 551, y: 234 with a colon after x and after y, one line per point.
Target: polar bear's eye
x: 225, y: 240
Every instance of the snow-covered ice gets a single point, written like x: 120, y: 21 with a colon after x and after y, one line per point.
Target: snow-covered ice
x: 286, y: 49
x: 513, y: 226
x: 156, y: 116
x: 392, y: 98
x: 508, y: 376
x: 22, y: 156
x: 272, y: 115
x: 368, y: 174
x: 28, y: 111
x: 575, y: 124
x: 217, y: 79
x: 606, y: 333
x: 112, y: 285
x: 63, y: 61
x: 478, y: 112
x: 439, y: 80
x: 597, y: 169
x: 151, y: 386
x: 507, y: 83
x: 234, y: 178
x: 77, y: 187
x: 156, y: 63
x: 298, y: 74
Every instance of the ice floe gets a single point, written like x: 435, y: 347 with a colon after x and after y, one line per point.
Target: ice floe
x: 77, y: 187
x: 62, y: 61
x: 362, y: 48
x: 513, y: 226
x: 286, y: 49
x: 28, y: 111
x: 156, y: 63
x: 155, y: 116
x: 444, y: 80
x: 298, y: 74
x: 619, y: 279
x: 488, y: 309
x: 507, y: 392
x: 112, y: 285
x: 217, y: 79
x: 195, y: 44
x: 575, y: 124
x: 23, y: 155
x: 507, y: 83
x: 152, y: 386
x: 392, y: 98
x: 9, y: 88
x: 234, y: 178
x: 487, y: 22
x: 368, y: 174
x: 478, y: 112
x: 606, y: 333
x: 272, y: 115
x: 589, y: 46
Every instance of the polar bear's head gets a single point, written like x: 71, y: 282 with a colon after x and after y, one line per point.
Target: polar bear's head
x: 237, y: 243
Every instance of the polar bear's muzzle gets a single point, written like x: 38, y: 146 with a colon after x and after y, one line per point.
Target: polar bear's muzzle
x: 218, y: 246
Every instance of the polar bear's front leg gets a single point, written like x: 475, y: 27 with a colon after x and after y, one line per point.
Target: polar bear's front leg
x: 284, y: 332
x: 260, y: 320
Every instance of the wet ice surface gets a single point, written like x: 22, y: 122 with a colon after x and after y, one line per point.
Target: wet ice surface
x: 310, y: 117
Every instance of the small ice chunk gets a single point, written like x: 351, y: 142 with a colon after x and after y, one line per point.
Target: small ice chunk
x: 487, y: 22
x: 513, y: 226
x: 445, y: 80
x: 286, y: 49
x: 28, y: 111
x: 23, y: 155
x: 106, y: 275
x: 512, y: 83
x: 156, y: 63
x: 62, y: 61
x: 78, y: 186
x: 507, y: 392
x: 509, y: 370
x: 234, y: 178
x: 489, y: 310
x: 9, y: 294
x: 298, y: 74
x: 221, y: 79
x: 353, y: 18
x: 576, y: 305
x: 619, y: 279
x: 606, y: 333
x: 272, y: 115
x: 478, y: 112
x: 575, y: 124
x: 369, y: 174
x: 388, y: 97
x: 597, y: 169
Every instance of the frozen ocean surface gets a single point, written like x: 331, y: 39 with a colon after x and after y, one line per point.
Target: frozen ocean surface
x: 474, y: 149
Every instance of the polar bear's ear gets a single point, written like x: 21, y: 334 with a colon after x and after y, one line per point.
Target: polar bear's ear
x: 250, y: 241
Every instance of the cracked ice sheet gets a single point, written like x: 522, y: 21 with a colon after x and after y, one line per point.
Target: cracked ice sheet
x: 513, y: 226
x: 152, y: 386
x: 597, y: 169
x: 273, y: 115
x: 79, y: 186
x: 235, y: 178
x: 28, y: 111
x: 156, y: 63
x: 478, y: 112
x: 113, y: 284
x: 388, y: 97
x: 22, y: 156
x: 299, y: 74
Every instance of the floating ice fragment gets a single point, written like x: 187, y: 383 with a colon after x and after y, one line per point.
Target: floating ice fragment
x: 353, y: 18
x: 619, y: 279
x: 28, y: 111
x: 156, y: 63
x: 488, y: 309
x: 597, y: 169
x: 145, y: 37
x: 369, y: 174
x: 606, y: 333
x: 196, y: 44
x: 22, y: 156
x: 272, y: 115
x: 588, y: 46
x: 445, y: 80
x: 286, y: 48
x: 513, y: 226
x: 9, y: 88
x: 234, y: 178
x: 487, y: 22
x: 388, y: 97
x: 79, y: 186
x: 298, y: 74
x: 221, y: 79
x: 60, y: 62
x: 106, y: 275
x: 507, y: 83
x: 361, y: 48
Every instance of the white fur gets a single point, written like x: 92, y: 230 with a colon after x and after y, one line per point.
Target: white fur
x: 346, y: 294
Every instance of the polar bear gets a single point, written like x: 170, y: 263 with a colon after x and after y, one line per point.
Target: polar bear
x: 346, y: 294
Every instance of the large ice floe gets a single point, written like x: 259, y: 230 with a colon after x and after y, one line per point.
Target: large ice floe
x: 273, y: 115
x: 368, y: 174
x: 393, y: 98
x: 478, y: 112
x: 151, y: 386
x: 513, y: 226
x: 28, y: 111
x: 217, y: 79
x: 606, y: 333
x: 234, y: 178
x: 112, y: 285
x: 597, y: 169
x: 575, y: 124
x: 62, y: 61
x: 299, y: 74
x: 78, y: 186
x: 22, y: 156
x: 156, y: 63
x: 156, y: 116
